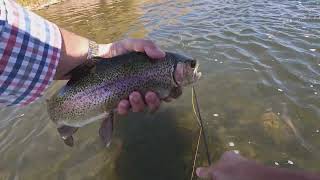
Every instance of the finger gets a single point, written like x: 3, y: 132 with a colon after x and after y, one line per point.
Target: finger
x: 231, y: 156
x: 168, y: 99
x: 136, y: 102
x: 203, y: 172
x: 152, y: 101
x: 112, y: 49
x: 147, y: 46
x: 123, y: 107
x: 154, y: 51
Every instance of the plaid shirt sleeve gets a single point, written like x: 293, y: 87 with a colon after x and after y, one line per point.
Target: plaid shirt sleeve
x: 30, y: 49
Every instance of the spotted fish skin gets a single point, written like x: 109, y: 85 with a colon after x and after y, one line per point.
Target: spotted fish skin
x: 91, y: 94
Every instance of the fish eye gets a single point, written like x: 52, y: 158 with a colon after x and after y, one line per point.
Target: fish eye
x: 193, y: 63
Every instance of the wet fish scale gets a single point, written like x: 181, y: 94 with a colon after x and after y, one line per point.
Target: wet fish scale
x: 95, y: 89
x: 111, y: 81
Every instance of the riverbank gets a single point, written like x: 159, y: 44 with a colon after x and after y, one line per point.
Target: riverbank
x: 38, y: 4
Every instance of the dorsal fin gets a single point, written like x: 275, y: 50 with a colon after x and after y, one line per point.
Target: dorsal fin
x: 83, y: 70
x: 98, y: 62
x: 79, y: 72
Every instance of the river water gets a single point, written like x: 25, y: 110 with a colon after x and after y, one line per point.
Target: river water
x: 259, y: 95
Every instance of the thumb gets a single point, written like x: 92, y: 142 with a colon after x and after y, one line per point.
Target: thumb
x: 154, y: 52
x: 203, y: 172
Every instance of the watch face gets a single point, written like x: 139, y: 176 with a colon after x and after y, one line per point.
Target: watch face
x: 96, y: 51
x: 93, y: 50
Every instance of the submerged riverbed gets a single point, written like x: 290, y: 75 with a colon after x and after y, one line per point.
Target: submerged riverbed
x: 258, y: 59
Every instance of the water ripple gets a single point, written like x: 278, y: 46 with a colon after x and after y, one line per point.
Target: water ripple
x: 255, y: 55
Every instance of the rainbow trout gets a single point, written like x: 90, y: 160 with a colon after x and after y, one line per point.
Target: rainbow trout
x: 95, y: 89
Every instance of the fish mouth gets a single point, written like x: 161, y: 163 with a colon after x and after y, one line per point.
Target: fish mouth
x: 184, y: 74
x: 196, y: 74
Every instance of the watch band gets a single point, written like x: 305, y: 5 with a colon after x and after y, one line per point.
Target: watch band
x: 93, y: 50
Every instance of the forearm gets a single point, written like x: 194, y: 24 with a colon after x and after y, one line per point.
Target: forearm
x: 74, y: 51
x: 267, y: 173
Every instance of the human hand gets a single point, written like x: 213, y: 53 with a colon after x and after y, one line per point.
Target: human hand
x: 231, y: 166
x: 135, y: 102
x: 74, y: 52
x: 129, y: 45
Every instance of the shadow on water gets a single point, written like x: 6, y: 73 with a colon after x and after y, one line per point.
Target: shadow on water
x: 154, y: 148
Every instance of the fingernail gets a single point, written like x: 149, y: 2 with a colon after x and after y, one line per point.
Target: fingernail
x: 121, y: 112
x: 150, y: 98
x: 134, y: 97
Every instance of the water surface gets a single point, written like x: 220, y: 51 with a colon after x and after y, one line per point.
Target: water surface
x: 258, y: 58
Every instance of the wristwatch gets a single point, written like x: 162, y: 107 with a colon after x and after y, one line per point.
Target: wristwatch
x: 92, y: 51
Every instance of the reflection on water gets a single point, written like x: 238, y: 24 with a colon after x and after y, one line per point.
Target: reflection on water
x: 254, y: 56
x: 104, y: 21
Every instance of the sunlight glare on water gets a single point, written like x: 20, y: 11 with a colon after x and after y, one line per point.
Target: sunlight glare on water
x: 255, y: 56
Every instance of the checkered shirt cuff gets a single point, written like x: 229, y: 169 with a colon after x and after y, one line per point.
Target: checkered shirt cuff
x: 30, y: 49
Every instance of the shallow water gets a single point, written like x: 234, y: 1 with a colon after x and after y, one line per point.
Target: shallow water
x: 255, y: 56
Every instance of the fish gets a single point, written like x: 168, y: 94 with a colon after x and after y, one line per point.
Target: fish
x: 96, y: 88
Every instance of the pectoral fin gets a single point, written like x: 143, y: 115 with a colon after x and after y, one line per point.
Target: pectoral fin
x: 66, y: 133
x: 106, y: 129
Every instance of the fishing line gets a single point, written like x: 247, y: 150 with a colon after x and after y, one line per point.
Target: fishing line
x: 196, y: 110
x: 195, y: 155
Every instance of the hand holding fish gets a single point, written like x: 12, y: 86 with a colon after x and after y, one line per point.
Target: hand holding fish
x: 75, y: 53
x: 135, y: 101
x: 128, y: 74
x: 233, y: 166
x: 131, y: 45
